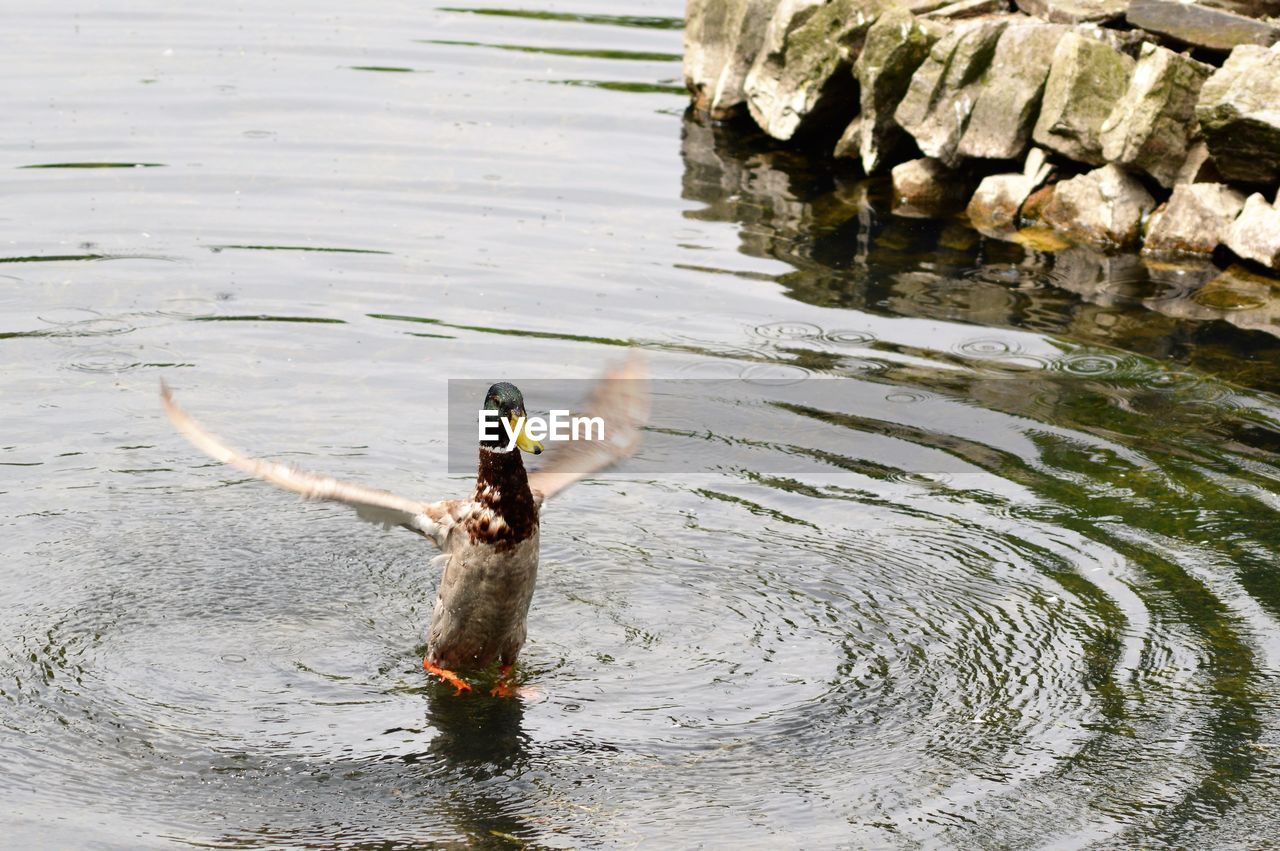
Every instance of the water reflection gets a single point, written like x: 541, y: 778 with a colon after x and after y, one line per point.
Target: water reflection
x: 478, y: 733
x: 847, y: 250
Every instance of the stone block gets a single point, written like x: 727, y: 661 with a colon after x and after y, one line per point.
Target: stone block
x: 1086, y: 78
x: 721, y: 40
x: 1007, y: 96
x: 1195, y: 220
x: 896, y: 45
x: 1255, y: 234
x: 936, y: 107
x: 926, y: 187
x: 1239, y: 115
x: 1104, y: 207
x: 1152, y: 124
x: 1074, y: 11
x: 1200, y: 26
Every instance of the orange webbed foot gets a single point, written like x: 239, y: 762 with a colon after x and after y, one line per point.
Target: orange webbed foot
x: 449, y: 677
x: 504, y: 688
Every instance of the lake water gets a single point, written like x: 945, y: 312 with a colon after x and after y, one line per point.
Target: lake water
x: 1036, y: 605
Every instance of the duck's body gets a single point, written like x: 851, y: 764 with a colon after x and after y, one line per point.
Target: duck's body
x: 490, y: 553
x: 489, y: 543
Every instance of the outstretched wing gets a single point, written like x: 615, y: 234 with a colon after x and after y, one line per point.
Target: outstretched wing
x: 621, y: 399
x: 375, y: 506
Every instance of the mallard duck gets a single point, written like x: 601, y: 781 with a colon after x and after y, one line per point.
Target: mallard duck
x: 489, y: 541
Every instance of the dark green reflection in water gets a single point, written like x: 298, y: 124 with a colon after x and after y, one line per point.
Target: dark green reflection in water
x: 619, y: 86
x: 265, y: 318
x: 384, y: 69
x: 632, y: 55
x: 513, y: 332
x: 642, y: 21
x: 64, y: 258
x: 94, y: 165
x: 317, y: 248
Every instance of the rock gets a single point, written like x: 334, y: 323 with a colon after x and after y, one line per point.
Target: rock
x: 721, y: 40
x: 1255, y: 234
x: 1086, y: 79
x: 993, y: 210
x: 926, y: 187
x: 1195, y: 219
x: 1074, y: 11
x: 790, y: 75
x: 1152, y: 124
x: 1239, y: 114
x: 895, y: 46
x: 801, y: 78
x: 1104, y: 207
x: 1033, y: 208
x: 936, y: 107
x: 1200, y: 26
x: 969, y: 9
x: 802, y: 81
x: 848, y: 145
x: 1198, y: 167
x: 1252, y: 8
x: 1128, y: 42
x: 1007, y: 95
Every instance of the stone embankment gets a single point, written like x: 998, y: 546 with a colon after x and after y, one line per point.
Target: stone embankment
x: 1110, y: 123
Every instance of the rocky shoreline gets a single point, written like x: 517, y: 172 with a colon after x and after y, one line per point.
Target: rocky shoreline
x: 1102, y: 123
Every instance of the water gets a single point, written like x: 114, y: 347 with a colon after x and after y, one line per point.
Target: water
x: 1037, y: 607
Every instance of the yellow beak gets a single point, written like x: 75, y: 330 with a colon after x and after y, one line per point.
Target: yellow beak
x: 523, y: 440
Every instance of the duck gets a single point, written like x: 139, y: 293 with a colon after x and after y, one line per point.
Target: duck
x: 489, y: 541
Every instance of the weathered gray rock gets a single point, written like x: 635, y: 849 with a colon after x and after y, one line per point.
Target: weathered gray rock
x: 1152, y: 124
x: 1195, y: 219
x: 1128, y: 42
x: 993, y: 209
x: 1074, y: 11
x: 848, y: 146
x: 1252, y: 8
x: 896, y: 44
x: 1200, y: 26
x: 721, y: 40
x: 1239, y: 114
x: 1032, y: 212
x: 1198, y: 167
x: 936, y: 107
x: 1086, y: 79
x: 793, y: 71
x: 993, y: 206
x: 1104, y: 207
x: 926, y: 187
x: 1255, y: 234
x: 969, y: 9
x: 1007, y: 95
x: 802, y: 78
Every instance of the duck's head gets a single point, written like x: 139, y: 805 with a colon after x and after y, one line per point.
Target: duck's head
x: 506, y: 399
